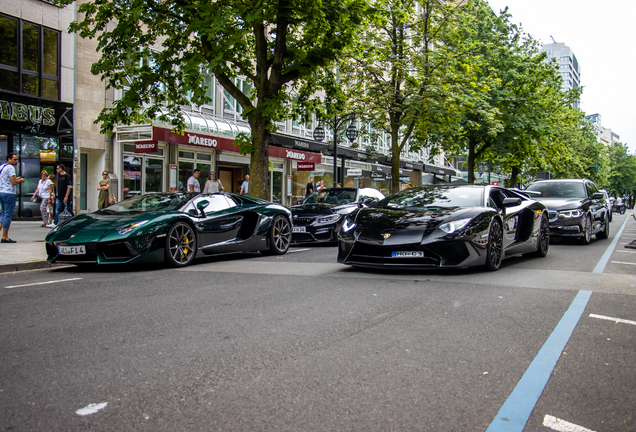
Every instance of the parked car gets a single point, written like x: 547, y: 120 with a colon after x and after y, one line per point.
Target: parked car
x: 318, y: 217
x: 171, y: 227
x: 444, y: 227
x: 576, y: 208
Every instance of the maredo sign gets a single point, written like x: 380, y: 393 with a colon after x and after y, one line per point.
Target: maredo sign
x: 227, y: 144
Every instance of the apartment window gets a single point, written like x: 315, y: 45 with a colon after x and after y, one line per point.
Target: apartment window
x: 29, y: 58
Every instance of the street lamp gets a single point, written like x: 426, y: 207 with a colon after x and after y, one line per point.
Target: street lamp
x: 335, y: 124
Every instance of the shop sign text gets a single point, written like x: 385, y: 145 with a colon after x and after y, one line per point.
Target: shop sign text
x: 20, y: 112
x: 295, y: 155
x: 305, y: 166
x: 201, y: 141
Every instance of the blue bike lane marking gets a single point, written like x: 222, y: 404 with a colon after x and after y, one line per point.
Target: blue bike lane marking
x: 610, y: 249
x: 515, y: 412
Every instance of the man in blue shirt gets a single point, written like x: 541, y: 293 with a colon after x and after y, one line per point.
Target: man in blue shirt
x: 8, y: 189
x: 245, y: 186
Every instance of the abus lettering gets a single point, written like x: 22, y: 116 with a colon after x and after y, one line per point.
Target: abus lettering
x: 201, y: 141
x: 27, y: 113
x: 295, y: 155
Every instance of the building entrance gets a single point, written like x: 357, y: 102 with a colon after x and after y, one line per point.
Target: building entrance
x: 232, y: 177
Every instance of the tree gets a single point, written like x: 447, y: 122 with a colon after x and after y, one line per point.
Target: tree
x: 622, y: 177
x: 167, y: 47
x: 397, y: 71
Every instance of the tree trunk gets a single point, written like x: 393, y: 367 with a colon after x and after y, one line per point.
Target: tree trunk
x: 395, y: 160
x: 259, y: 161
x: 514, y: 177
x: 471, y: 161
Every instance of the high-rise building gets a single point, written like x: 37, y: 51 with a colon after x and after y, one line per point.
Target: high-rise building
x: 568, y: 65
x: 603, y: 134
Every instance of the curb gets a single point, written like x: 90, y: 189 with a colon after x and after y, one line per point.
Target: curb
x: 30, y: 265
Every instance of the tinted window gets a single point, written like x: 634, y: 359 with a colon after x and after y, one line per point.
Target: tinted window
x: 431, y: 197
x: 559, y: 190
x: 331, y: 196
x: 150, y: 202
x: 213, y: 203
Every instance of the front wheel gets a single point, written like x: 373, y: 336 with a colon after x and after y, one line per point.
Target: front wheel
x: 279, y: 236
x: 587, y: 231
x: 494, y: 252
x: 181, y: 245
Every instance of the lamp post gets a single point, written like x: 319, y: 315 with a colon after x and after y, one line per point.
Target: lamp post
x: 335, y: 124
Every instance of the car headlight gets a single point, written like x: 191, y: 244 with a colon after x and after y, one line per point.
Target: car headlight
x: 571, y: 213
x: 451, y: 227
x: 348, y: 225
x: 327, y: 219
x: 130, y: 227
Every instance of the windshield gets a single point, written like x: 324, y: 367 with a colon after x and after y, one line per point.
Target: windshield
x: 559, y: 190
x: 151, y: 202
x: 434, y: 197
x: 331, y: 196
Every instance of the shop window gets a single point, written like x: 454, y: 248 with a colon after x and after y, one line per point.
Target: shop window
x: 29, y: 58
x: 36, y: 154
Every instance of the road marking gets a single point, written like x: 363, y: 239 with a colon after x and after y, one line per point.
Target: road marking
x: 622, y: 251
x: 298, y: 250
x: 620, y: 262
x: 563, y: 426
x: 516, y: 410
x: 42, y: 283
x: 608, y: 253
x: 91, y: 409
x: 603, y: 317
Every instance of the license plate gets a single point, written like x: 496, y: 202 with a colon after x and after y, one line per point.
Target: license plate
x: 72, y: 250
x: 300, y: 229
x: 404, y: 254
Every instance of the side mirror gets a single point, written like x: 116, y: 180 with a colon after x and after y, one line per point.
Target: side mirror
x: 598, y: 195
x: 299, y: 202
x: 366, y: 200
x: 511, y: 202
x: 201, y: 205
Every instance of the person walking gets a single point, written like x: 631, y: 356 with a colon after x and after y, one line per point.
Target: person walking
x: 310, y: 187
x: 193, y: 181
x: 212, y: 185
x: 43, y: 193
x: 50, y: 208
x: 8, y: 191
x: 64, y: 188
x: 104, y: 189
x: 245, y: 186
x: 321, y: 185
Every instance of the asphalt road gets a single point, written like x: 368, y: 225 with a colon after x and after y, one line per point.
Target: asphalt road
x: 300, y: 342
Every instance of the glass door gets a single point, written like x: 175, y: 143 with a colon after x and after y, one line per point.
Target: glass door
x: 277, y: 186
x: 154, y: 175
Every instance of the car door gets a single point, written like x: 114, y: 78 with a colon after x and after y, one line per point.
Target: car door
x: 511, y: 214
x: 596, y: 205
x: 219, y: 219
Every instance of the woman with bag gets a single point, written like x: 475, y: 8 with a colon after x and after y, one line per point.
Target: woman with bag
x: 103, y: 187
x: 43, y: 194
x: 212, y: 185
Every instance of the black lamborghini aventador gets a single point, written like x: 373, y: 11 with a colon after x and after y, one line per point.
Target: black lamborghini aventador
x: 445, y: 226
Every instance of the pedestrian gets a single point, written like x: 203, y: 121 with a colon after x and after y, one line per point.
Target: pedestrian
x: 64, y: 188
x: 50, y: 208
x: 212, y: 185
x: 8, y: 192
x: 43, y: 194
x: 193, y: 181
x: 321, y: 185
x: 339, y: 185
x: 245, y: 186
x: 310, y: 187
x: 104, y: 189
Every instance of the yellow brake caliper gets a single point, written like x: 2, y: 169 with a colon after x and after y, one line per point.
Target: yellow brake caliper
x: 185, y: 249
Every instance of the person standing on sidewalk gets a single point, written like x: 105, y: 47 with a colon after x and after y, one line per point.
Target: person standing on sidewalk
x: 245, y: 186
x: 104, y: 191
x: 43, y: 192
x: 8, y: 191
x: 64, y: 188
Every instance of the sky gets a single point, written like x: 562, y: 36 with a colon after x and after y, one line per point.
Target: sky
x: 602, y: 36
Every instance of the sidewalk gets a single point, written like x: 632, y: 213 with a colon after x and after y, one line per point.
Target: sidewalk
x: 29, y: 251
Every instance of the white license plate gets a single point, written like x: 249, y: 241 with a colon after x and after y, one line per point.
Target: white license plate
x: 404, y: 254
x: 301, y: 229
x: 72, y: 250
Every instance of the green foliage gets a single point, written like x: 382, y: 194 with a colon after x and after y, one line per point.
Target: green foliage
x: 159, y: 51
x: 622, y: 176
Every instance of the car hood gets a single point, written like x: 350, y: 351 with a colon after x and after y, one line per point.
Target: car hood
x: 97, y: 226
x: 314, y: 210
x: 562, y: 203
x: 404, y: 226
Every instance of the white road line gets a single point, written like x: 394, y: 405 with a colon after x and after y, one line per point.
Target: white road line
x: 42, y: 283
x: 298, y: 250
x: 620, y: 262
x: 603, y: 317
x: 563, y: 426
x: 621, y: 251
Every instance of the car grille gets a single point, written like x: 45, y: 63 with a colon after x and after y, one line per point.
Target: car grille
x: 301, y: 221
x: 553, y: 214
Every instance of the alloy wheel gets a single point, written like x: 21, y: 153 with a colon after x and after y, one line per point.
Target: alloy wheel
x: 281, y: 234
x: 181, y: 244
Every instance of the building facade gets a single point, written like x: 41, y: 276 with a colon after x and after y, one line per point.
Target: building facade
x: 568, y: 65
x: 603, y: 134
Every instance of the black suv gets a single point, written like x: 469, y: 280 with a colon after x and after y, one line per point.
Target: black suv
x: 576, y: 208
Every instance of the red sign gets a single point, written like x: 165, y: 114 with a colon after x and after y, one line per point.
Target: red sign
x: 293, y: 154
x: 304, y: 166
x: 494, y: 183
x: 146, y: 147
x: 193, y: 139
